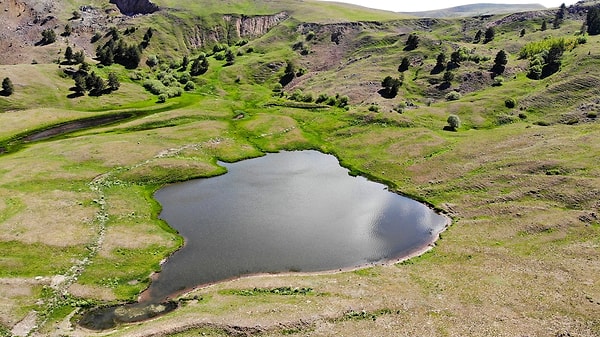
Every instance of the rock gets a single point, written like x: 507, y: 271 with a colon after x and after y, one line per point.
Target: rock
x: 134, y: 7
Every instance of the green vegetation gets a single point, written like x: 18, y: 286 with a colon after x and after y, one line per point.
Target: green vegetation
x: 7, y: 87
x: 519, y: 179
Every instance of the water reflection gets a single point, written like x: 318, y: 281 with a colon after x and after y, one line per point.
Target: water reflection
x: 290, y: 211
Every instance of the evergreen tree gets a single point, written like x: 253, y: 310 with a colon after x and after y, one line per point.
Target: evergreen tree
x: 448, y: 77
x: 229, y: 57
x: 199, y: 66
x: 522, y: 32
x: 440, y: 64
x: 185, y: 62
x: 79, y: 57
x: 404, y: 65
x: 69, y: 54
x: 490, y: 33
x: 412, y: 42
x: 80, y: 84
x: 593, y: 21
x: 544, y: 25
x: 48, y: 36
x: 390, y: 86
x: 559, y: 18
x: 68, y: 30
x: 113, y: 81
x: 7, y: 87
x: 500, y: 62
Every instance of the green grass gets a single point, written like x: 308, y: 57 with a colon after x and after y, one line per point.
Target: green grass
x: 517, y: 191
x: 23, y: 260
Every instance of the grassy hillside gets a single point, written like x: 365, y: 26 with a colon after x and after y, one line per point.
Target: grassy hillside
x: 519, y: 177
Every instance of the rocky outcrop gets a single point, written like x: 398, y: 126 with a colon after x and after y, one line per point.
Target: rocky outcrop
x: 133, y: 7
x: 246, y: 26
x: 233, y: 28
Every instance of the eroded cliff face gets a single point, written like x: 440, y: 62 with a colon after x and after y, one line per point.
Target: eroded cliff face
x: 133, y: 7
x: 235, y: 27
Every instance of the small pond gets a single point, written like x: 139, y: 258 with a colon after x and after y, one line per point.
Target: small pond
x: 285, y: 212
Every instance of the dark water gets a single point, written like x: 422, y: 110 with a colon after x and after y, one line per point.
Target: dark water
x: 290, y: 211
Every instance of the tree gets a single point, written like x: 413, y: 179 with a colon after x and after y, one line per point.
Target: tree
x: 185, y: 62
x: 7, y: 87
x: 448, y: 76
x: 440, y: 64
x: 76, y: 15
x: 80, y: 84
x: 68, y: 30
x: 559, y: 18
x: 593, y: 21
x: 500, y: 62
x: 404, y: 65
x: 199, y: 66
x: 522, y: 32
x: 544, y: 25
x: 412, y: 42
x: 288, y: 74
x: 453, y: 122
x: 48, y: 36
x: 390, y: 87
x: 69, y: 54
x: 456, y: 57
x: 477, y: 38
x: 113, y: 82
x: 490, y: 33
x: 229, y: 57
x: 79, y: 57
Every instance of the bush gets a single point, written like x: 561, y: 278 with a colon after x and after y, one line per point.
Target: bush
x: 189, y: 86
x: 322, y: 98
x: 498, y: 81
x: 510, y: 103
x: 7, y: 87
x: 453, y: 96
x: 162, y: 98
x: 152, y: 61
x: 453, y: 122
x: 504, y: 119
x: 374, y: 108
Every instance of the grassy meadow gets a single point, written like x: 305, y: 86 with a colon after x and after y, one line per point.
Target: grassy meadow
x: 79, y: 227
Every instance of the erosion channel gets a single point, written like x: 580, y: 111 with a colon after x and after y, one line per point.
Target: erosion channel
x: 285, y: 212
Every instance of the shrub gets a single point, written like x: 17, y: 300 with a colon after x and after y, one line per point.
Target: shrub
x: 504, y: 119
x: 510, y: 103
x: 343, y: 101
x: 498, y: 81
x: 307, y: 98
x: 453, y: 122
x: 453, y: 96
x: 7, y: 87
x: 162, y: 98
x: 374, y: 108
x: 189, y: 86
x: 322, y: 98
x: 152, y: 61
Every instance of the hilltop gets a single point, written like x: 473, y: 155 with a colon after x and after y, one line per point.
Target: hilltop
x: 491, y: 119
x: 477, y: 10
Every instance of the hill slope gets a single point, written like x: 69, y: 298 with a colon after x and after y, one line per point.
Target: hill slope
x: 203, y: 81
x: 476, y: 10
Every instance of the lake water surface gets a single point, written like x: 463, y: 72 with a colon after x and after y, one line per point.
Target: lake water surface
x: 288, y: 211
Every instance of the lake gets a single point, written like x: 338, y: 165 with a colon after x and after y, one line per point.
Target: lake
x: 285, y: 212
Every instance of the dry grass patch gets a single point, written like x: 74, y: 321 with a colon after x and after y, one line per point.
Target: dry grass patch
x: 90, y: 291
x: 54, y: 217
x: 17, y: 296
